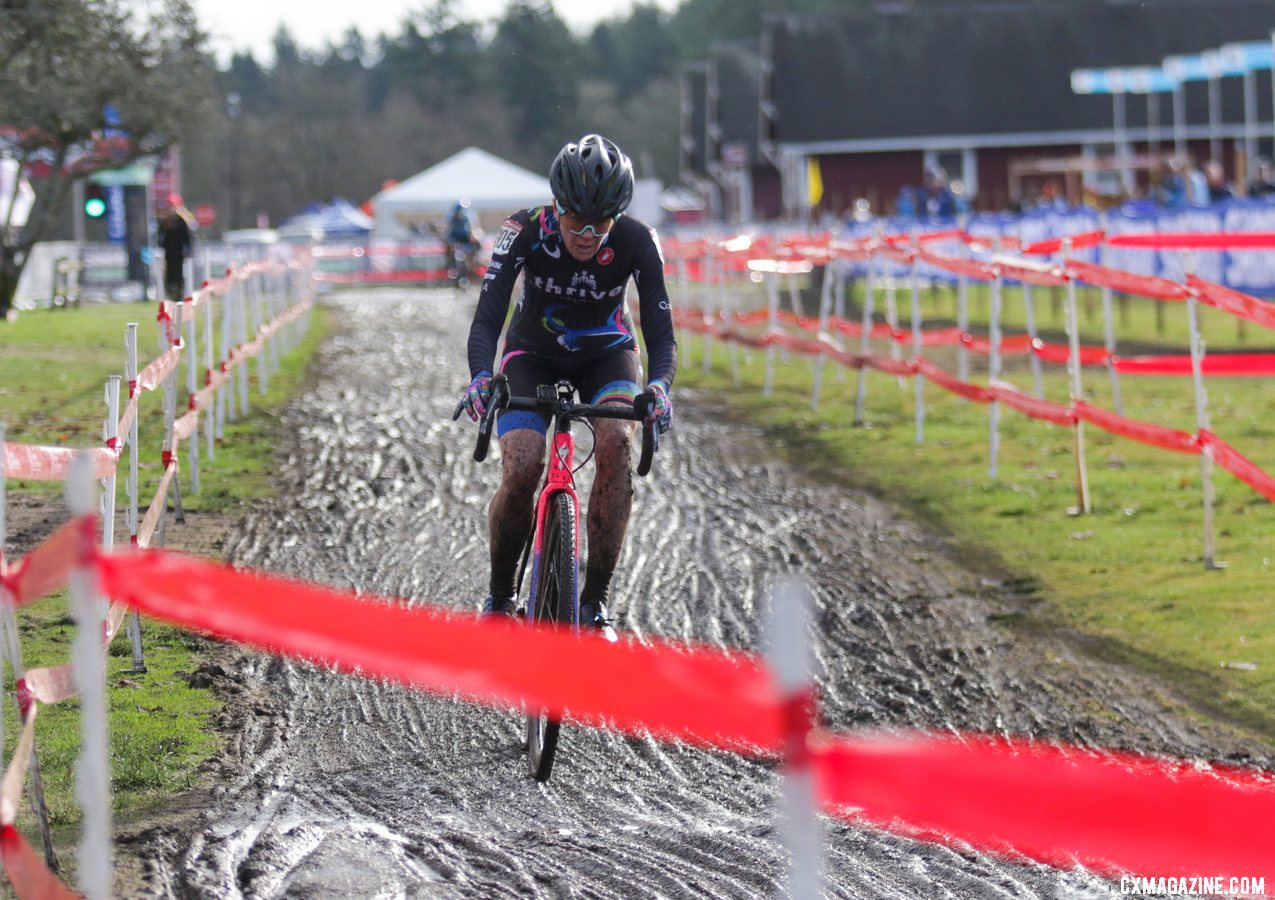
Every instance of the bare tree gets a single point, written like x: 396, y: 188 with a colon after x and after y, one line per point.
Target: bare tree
x: 68, y: 68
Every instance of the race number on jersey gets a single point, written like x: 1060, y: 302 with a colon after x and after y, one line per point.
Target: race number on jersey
x: 505, y: 239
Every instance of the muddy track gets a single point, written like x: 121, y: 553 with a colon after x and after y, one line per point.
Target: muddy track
x: 333, y: 787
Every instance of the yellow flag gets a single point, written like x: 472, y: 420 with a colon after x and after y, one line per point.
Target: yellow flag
x: 814, y: 181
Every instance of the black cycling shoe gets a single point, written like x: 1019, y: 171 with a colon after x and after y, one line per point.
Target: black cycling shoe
x: 593, y: 614
x: 503, y: 607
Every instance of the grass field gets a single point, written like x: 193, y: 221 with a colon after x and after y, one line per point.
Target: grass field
x: 53, y: 365
x: 1130, y: 574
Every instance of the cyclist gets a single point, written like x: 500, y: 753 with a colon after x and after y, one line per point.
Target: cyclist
x: 576, y: 256
x: 462, y: 242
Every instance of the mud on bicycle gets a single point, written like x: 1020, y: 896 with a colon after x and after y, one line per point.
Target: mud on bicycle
x: 553, y: 546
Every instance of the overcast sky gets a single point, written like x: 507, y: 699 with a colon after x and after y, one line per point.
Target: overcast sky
x: 236, y: 25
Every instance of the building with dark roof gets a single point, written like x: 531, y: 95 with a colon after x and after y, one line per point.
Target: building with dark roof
x: 980, y: 88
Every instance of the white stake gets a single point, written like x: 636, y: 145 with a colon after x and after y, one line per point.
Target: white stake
x: 192, y: 386
x: 1029, y: 311
x: 1073, y: 363
x: 993, y: 373
x: 88, y: 663
x: 1201, y: 419
x: 865, y: 338
x: 790, y: 656
x: 1109, y: 342
x: 110, y: 434
x: 919, y: 385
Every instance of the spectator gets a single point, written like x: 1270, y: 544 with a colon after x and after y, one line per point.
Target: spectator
x: 1263, y: 183
x: 1170, y: 191
x: 937, y: 201
x: 1197, y: 185
x: 176, y: 240
x: 905, y: 203
x: 1218, y: 187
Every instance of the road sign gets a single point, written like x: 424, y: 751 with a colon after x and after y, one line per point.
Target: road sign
x: 205, y: 215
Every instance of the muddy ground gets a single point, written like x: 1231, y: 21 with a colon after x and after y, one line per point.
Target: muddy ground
x: 331, y: 786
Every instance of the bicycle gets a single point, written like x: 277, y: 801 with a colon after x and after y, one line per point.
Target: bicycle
x: 553, y: 546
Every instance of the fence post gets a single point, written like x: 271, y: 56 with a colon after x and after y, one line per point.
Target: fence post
x: 1029, y: 312
x: 210, y: 414
x: 130, y: 518
x: 892, y: 319
x: 88, y: 662
x: 684, y: 282
x: 226, y: 396
x: 1201, y: 419
x: 110, y: 435
x: 170, y: 413
x: 865, y: 337
x: 918, y: 386
x: 825, y: 310
x: 993, y: 373
x: 790, y: 658
x: 1109, y: 340
x: 276, y: 309
x: 259, y: 322
x: 192, y: 386
x: 710, y: 315
x: 963, y: 319
x: 10, y: 627
x: 730, y: 320
x: 839, y: 303
x: 1077, y: 394
x: 772, y: 324
x: 241, y: 325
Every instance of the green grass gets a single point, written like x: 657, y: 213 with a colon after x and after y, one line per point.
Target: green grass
x: 53, y: 364
x: 1129, y: 576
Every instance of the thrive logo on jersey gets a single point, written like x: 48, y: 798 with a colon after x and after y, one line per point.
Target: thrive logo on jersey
x: 587, y: 289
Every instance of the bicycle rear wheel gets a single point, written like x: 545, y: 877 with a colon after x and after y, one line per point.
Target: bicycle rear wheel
x: 553, y: 600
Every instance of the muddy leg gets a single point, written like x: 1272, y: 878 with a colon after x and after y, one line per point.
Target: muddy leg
x: 609, y: 503
x: 509, y: 517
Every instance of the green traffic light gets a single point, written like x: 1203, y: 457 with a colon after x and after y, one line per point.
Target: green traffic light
x: 94, y: 207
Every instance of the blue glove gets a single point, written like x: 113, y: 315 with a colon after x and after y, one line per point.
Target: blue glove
x: 662, y: 414
x: 477, y: 395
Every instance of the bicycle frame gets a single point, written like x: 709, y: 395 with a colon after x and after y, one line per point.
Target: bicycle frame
x: 559, y: 484
x: 559, y: 479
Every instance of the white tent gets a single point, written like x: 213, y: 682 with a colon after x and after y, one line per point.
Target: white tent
x: 492, y: 185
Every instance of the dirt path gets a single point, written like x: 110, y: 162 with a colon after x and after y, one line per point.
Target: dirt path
x: 335, y: 787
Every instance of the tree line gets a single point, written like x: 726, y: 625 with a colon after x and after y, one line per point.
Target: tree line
x: 264, y: 138
x: 314, y: 123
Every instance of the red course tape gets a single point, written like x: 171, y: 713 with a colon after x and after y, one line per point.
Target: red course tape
x: 1115, y: 812
x: 1112, y: 812
x: 698, y: 694
x: 26, y: 871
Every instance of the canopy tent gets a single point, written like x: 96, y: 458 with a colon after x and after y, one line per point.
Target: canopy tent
x: 491, y: 185
x: 340, y: 219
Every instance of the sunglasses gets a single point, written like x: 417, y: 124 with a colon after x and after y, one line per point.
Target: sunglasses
x: 578, y: 224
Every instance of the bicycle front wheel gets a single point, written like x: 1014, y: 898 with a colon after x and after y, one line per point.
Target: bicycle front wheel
x: 553, y: 601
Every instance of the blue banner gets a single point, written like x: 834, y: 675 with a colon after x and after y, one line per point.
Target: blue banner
x: 1249, y: 271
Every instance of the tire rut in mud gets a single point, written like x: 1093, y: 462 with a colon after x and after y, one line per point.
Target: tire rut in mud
x: 336, y: 786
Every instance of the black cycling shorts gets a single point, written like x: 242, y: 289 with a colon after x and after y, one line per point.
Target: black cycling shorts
x: 612, y: 378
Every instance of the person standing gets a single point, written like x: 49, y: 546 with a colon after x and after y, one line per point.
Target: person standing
x: 177, y: 242
x: 576, y: 255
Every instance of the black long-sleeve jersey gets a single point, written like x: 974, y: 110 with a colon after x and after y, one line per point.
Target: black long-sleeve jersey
x: 570, y: 309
